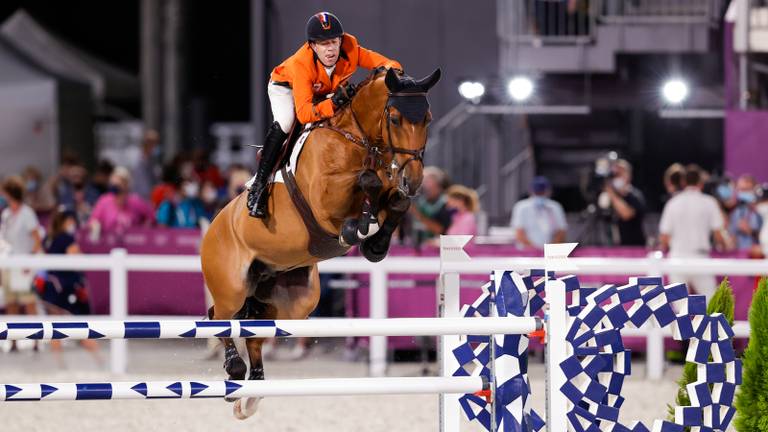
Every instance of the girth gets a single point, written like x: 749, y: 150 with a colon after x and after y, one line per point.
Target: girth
x: 322, y: 244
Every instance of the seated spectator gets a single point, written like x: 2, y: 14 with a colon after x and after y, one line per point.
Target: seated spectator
x: 627, y: 206
x: 209, y: 195
x: 464, y: 204
x: 431, y: 216
x: 100, y: 179
x: 166, y: 190
x: 204, y: 169
x: 744, y: 222
x: 538, y: 220
x: 238, y: 177
x: 37, y: 195
x: 120, y: 209
x: 184, y: 210
x: 19, y: 235
x: 64, y: 292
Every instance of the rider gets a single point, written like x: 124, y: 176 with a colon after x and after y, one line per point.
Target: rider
x: 310, y: 86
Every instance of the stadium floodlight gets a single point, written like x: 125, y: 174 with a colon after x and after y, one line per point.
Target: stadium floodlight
x: 520, y: 88
x: 471, y: 90
x: 675, y: 91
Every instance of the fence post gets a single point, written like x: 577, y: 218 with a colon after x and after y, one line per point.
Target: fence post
x: 654, y: 346
x: 118, y: 308
x: 378, y: 309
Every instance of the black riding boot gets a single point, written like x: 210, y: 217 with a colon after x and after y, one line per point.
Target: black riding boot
x: 258, y: 193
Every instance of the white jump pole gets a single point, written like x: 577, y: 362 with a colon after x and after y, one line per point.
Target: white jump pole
x: 239, y: 389
x: 333, y: 327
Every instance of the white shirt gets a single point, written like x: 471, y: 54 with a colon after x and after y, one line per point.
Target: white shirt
x: 329, y: 70
x: 688, y: 219
x: 16, y: 229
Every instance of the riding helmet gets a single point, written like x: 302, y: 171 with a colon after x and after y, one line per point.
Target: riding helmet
x: 323, y: 26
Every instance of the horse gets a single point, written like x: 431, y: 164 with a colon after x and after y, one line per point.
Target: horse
x: 354, y: 180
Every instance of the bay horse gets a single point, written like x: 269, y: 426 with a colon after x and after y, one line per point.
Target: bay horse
x: 353, y: 182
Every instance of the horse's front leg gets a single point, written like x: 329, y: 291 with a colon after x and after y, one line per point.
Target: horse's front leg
x: 375, y: 248
x: 355, y: 230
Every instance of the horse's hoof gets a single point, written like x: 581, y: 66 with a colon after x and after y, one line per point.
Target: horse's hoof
x: 371, y: 254
x: 244, y: 408
x: 236, y: 368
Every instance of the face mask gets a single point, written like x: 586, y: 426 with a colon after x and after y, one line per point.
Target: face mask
x: 539, y: 200
x: 724, y: 192
x: 71, y: 229
x: 747, y: 197
x: 191, y: 190
x: 31, y: 185
x: 618, y: 183
x: 3, y: 202
x: 115, y: 189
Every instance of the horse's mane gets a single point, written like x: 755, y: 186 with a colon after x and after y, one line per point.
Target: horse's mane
x: 375, y: 73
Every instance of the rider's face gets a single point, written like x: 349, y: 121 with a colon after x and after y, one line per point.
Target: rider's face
x: 327, y: 51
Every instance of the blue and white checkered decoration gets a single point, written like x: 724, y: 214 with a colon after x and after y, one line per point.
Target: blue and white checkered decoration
x: 508, y: 294
x: 599, y: 362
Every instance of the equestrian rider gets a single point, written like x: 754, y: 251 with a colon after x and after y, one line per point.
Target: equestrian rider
x: 310, y: 86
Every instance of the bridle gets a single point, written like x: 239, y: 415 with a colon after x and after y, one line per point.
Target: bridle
x: 373, y: 159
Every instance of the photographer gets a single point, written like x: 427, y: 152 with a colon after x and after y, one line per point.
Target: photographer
x: 626, y: 205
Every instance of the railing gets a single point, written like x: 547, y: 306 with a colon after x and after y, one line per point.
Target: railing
x: 546, y: 21
x: 660, y: 11
x: 119, y: 263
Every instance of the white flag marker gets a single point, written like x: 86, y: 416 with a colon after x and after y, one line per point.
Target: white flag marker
x: 556, y: 256
x: 452, y: 248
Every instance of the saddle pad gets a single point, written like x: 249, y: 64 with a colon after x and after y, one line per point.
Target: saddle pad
x: 292, y: 161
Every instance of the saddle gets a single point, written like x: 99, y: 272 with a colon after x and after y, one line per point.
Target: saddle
x: 322, y: 244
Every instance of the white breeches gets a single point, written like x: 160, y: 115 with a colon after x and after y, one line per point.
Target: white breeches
x: 283, y: 109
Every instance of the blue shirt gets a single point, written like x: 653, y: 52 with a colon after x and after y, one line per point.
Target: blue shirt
x: 745, y: 241
x: 185, y: 214
x: 540, y: 218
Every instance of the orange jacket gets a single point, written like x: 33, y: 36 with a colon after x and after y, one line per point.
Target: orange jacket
x: 304, y: 73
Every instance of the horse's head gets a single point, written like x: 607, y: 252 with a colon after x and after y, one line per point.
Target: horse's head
x: 401, y: 129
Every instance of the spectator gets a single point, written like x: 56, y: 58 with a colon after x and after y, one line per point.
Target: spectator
x: 167, y: 189
x: 627, y: 206
x: 209, y: 195
x: 65, y: 292
x: 120, y: 209
x: 184, y: 210
x: 19, y: 233
x: 100, y: 179
x: 238, y: 177
x: 72, y: 175
x: 464, y: 204
x: 687, y: 222
x: 744, y: 221
x: 37, y: 195
x: 674, y: 180
x: 430, y: 213
x: 538, y: 220
x: 762, y: 209
x: 144, y: 172
x: 204, y: 169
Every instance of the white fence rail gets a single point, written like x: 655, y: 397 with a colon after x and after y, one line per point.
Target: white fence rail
x: 119, y: 263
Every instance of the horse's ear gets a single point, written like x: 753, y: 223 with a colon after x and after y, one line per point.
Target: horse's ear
x: 426, y: 83
x: 392, y: 80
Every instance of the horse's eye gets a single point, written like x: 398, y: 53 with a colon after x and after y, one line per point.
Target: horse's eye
x: 395, y: 120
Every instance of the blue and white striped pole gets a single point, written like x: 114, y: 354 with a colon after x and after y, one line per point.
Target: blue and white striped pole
x: 239, y: 389
x: 181, y: 329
